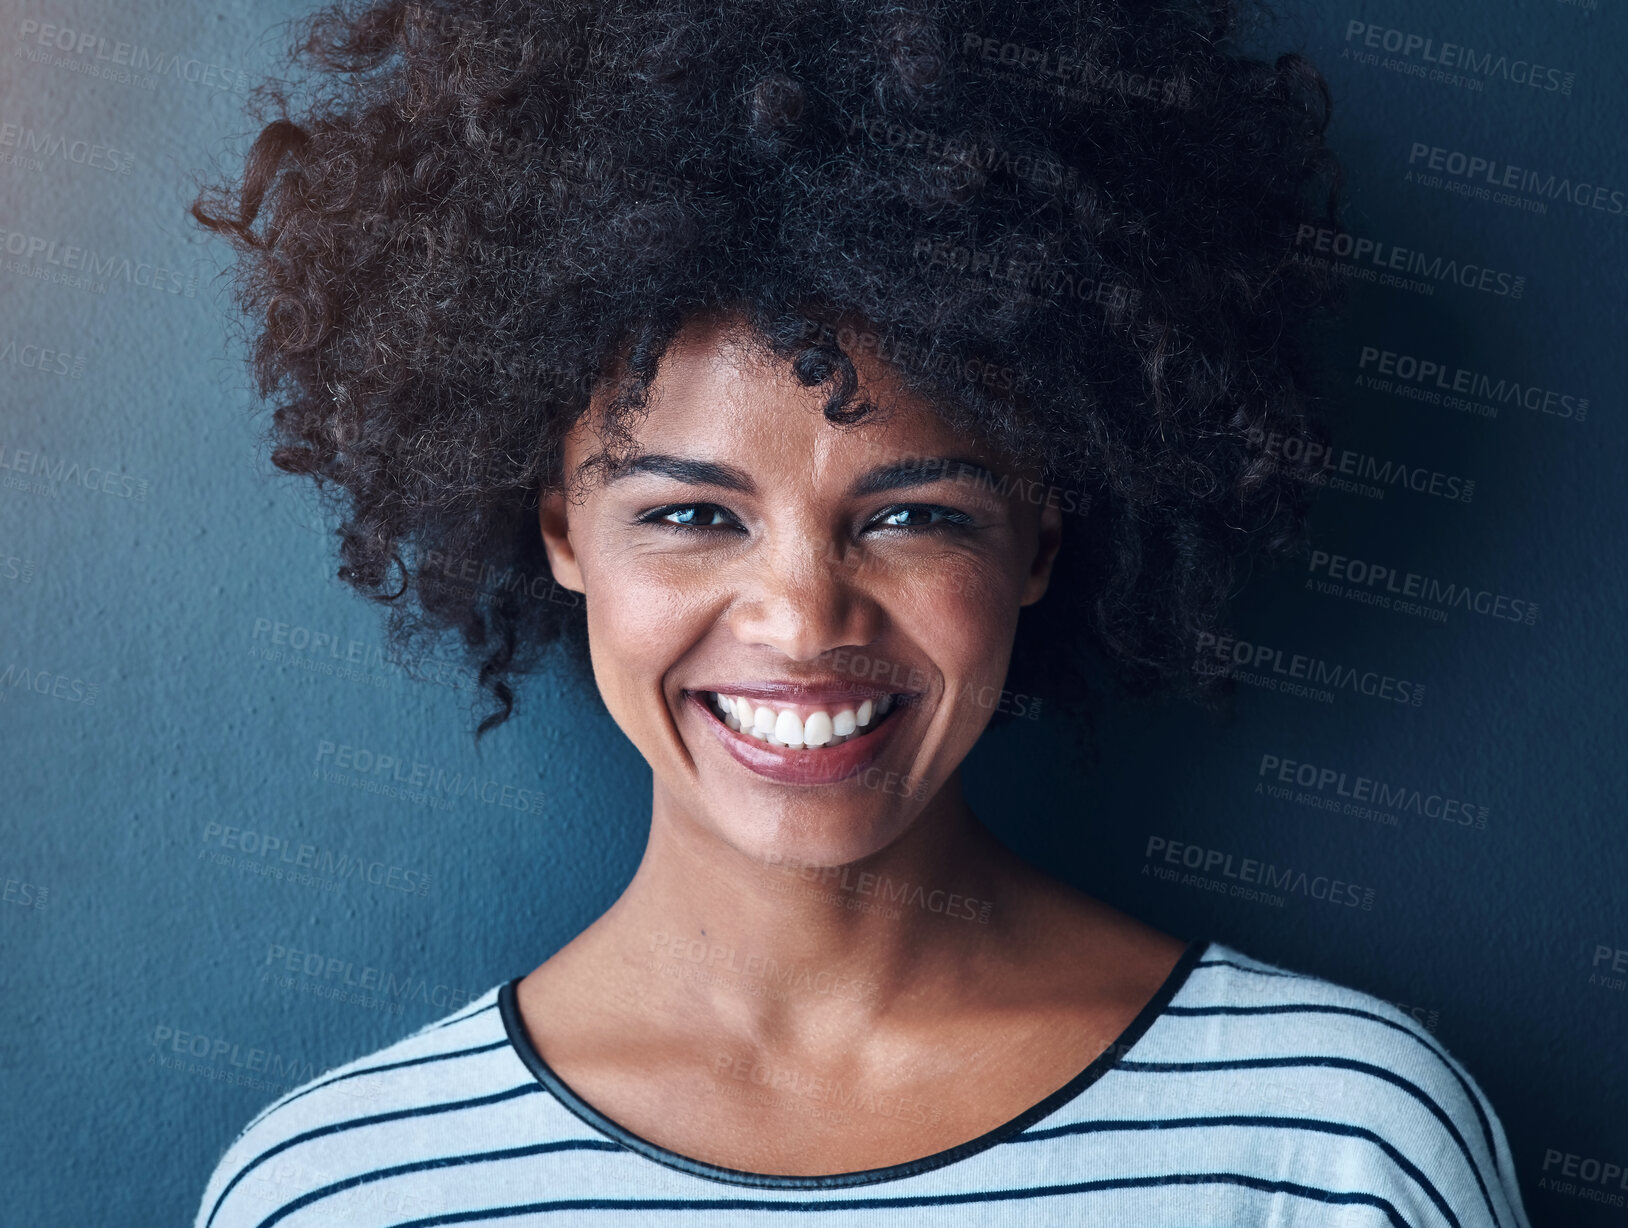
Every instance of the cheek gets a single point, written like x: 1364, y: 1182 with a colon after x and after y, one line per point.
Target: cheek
x: 964, y: 616
x: 641, y: 617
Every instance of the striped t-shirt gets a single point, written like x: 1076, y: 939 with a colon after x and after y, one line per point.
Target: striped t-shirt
x: 1242, y: 1094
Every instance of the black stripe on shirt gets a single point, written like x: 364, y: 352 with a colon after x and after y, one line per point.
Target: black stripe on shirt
x: 277, y: 1104
x: 508, y: 1153
x: 1227, y: 963
x: 367, y: 1070
x: 1480, y: 1110
x: 1318, y: 1008
x: 923, y: 1200
x: 1269, y: 1123
x: 1341, y: 1063
x: 450, y: 1020
x: 358, y: 1122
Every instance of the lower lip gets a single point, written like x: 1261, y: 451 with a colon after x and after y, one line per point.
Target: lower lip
x: 826, y: 766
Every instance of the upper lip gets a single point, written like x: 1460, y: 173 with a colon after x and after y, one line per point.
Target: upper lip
x: 833, y: 691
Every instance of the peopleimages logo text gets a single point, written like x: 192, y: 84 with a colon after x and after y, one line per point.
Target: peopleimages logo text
x: 1456, y: 379
x: 1232, y: 655
x: 130, y: 56
x: 1386, y: 578
x: 1314, y: 240
x: 1459, y: 58
x: 1360, y: 788
x: 1498, y: 174
x: 1209, y: 862
x: 38, y: 252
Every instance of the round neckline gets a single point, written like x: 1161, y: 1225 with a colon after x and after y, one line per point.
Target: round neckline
x: 520, y: 1042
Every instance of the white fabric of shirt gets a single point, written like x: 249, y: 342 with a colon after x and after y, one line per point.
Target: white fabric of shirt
x: 1245, y: 1095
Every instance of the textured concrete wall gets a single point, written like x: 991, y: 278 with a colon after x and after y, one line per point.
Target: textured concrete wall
x: 175, y: 654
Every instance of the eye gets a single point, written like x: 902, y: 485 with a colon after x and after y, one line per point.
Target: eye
x: 920, y: 516
x: 689, y: 516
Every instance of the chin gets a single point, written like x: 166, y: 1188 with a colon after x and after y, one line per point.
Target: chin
x: 832, y: 842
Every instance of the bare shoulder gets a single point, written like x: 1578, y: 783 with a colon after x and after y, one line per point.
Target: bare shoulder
x: 1079, y: 942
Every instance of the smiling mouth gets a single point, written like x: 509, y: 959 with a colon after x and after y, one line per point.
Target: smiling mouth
x: 820, y: 729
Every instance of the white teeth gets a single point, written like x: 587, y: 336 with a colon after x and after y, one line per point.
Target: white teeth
x: 817, y: 729
x: 784, y: 728
x: 789, y: 728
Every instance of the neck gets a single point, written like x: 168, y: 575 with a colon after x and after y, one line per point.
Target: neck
x: 768, y: 946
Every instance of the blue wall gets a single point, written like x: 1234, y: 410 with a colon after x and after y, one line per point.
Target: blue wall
x: 176, y: 658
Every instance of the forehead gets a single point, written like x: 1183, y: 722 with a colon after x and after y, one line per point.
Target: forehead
x: 720, y: 394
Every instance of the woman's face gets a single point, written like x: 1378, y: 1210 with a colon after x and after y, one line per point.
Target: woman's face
x: 818, y: 579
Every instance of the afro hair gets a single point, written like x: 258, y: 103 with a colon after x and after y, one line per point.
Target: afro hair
x: 1069, y: 225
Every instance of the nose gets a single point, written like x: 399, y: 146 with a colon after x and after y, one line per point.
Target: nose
x: 804, y: 598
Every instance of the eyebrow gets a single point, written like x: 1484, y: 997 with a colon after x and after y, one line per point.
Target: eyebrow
x: 922, y: 471
x: 915, y: 471
x: 683, y: 469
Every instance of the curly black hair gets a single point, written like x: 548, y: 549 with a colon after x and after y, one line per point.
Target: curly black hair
x: 1069, y: 224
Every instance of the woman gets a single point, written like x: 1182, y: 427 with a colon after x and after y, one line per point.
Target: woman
x: 784, y: 341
